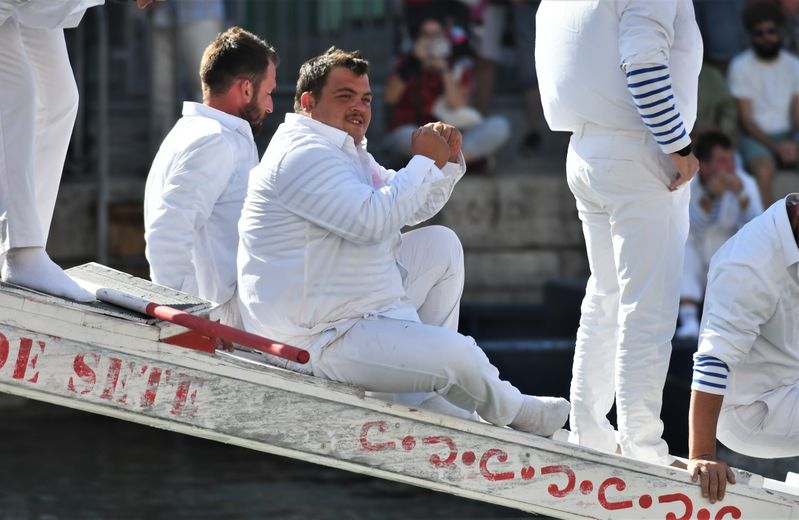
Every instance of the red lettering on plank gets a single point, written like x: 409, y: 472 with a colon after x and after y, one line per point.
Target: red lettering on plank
x: 619, y: 485
x: 678, y: 497
x: 24, y: 359
x: 183, y: 395
x: 111, y: 379
x: 3, y: 349
x: 488, y: 474
x: 732, y: 510
x: 84, y: 372
x: 376, y: 446
x: 148, y: 399
x: 553, y: 489
x: 435, y: 460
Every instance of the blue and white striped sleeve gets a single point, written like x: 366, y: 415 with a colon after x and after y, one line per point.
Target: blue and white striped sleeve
x: 653, y: 96
x: 710, y: 374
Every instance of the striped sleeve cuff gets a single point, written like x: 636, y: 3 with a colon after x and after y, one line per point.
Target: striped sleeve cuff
x: 650, y: 86
x: 710, y: 375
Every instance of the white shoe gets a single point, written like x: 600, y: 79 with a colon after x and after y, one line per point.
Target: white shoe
x: 688, y: 329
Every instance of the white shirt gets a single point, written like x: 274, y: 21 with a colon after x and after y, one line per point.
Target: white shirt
x: 769, y: 85
x: 320, y: 232
x: 584, y: 49
x: 708, y: 231
x: 193, y: 199
x: 46, y: 14
x: 751, y: 308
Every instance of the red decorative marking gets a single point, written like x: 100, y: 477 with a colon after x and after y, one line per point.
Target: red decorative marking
x: 24, y: 359
x: 619, y: 485
x: 645, y: 501
x: 148, y: 399
x: 3, y: 349
x: 468, y: 458
x: 377, y: 446
x: 111, y: 379
x: 435, y: 460
x: 130, y: 369
x: 553, y: 489
x: 732, y: 510
x: 528, y: 472
x: 502, y: 457
x: 586, y: 486
x: 408, y: 443
x: 678, y: 497
x: 84, y: 372
x: 703, y: 514
x: 182, y: 395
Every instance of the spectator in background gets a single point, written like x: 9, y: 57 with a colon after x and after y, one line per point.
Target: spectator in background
x: 722, y: 32
x: 764, y: 80
x: 716, y: 109
x: 182, y: 31
x: 495, y: 14
x: 722, y: 201
x: 432, y: 83
x: 791, y: 10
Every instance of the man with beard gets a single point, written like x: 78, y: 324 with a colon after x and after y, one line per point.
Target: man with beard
x: 198, y: 180
x: 765, y: 83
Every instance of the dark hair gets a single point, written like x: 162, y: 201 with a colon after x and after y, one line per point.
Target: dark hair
x: 235, y: 53
x: 314, y: 72
x: 762, y: 11
x: 706, y: 142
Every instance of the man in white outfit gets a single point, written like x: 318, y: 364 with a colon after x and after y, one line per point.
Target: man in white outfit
x: 323, y: 265
x: 622, y: 76
x: 745, y: 387
x: 38, y: 106
x: 722, y: 201
x: 198, y: 179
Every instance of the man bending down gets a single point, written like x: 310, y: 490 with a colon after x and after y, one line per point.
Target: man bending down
x: 323, y: 265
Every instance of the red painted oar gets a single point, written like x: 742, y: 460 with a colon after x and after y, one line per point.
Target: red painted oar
x: 209, y: 329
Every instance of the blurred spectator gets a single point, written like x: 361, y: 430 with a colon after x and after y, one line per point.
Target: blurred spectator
x: 495, y: 15
x: 722, y: 31
x: 431, y: 83
x: 716, y: 108
x: 791, y: 10
x: 722, y: 201
x: 182, y: 31
x: 764, y: 80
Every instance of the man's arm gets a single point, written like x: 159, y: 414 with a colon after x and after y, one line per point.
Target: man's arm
x: 751, y: 127
x: 646, y: 34
x: 196, y: 179
x: 713, y: 474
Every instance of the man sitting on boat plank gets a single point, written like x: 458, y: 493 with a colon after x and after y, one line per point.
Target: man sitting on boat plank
x: 323, y: 264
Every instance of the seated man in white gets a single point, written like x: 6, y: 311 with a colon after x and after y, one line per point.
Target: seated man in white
x: 722, y: 201
x: 745, y: 389
x: 323, y: 265
x: 198, y: 180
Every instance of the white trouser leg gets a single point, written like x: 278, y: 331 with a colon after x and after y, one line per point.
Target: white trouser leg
x: 19, y: 221
x: 396, y: 356
x: 56, y: 108
x: 627, y: 176
x: 767, y: 428
x: 694, y: 277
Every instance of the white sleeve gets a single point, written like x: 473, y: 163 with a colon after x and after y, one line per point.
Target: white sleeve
x: 326, y: 189
x: 196, y: 179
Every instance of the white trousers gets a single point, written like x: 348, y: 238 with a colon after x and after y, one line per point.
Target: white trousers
x: 402, y: 357
x: 767, y: 428
x: 694, y: 278
x: 635, y: 231
x: 38, y: 105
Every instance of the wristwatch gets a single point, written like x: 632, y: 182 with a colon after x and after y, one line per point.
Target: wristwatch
x: 684, y: 151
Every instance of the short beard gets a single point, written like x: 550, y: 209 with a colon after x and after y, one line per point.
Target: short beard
x: 767, y: 52
x: 252, y: 114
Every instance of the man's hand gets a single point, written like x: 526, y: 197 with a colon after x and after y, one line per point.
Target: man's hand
x: 713, y: 476
x: 686, y: 168
x: 733, y: 183
x: 786, y: 150
x: 426, y: 141
x: 451, y: 135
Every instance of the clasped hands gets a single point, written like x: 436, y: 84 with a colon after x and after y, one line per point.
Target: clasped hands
x: 438, y: 141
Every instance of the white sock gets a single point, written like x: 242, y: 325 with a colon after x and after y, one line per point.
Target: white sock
x: 541, y: 415
x: 31, y: 267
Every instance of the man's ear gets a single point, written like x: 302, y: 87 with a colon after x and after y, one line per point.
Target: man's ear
x: 307, y: 102
x: 244, y: 88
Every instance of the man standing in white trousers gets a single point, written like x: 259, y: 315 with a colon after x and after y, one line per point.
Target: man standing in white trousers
x: 323, y: 265
x: 622, y: 76
x: 38, y: 105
